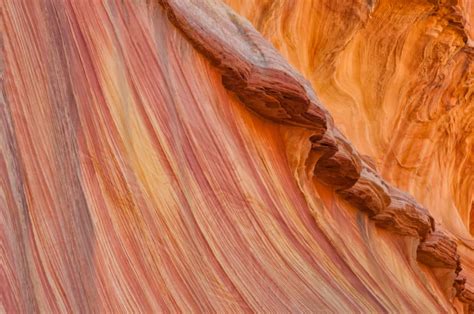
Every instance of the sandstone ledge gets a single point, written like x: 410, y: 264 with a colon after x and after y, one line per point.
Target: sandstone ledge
x: 262, y: 79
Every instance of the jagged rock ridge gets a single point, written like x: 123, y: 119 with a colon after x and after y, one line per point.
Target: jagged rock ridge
x: 133, y: 181
x: 338, y: 165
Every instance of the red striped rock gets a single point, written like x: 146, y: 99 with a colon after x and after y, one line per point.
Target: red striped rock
x: 439, y: 249
x: 133, y: 181
x: 404, y: 215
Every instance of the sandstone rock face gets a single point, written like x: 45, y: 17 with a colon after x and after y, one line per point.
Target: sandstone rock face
x: 165, y: 156
x: 397, y: 78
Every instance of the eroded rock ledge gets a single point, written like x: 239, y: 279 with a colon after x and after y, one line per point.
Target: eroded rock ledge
x: 262, y: 79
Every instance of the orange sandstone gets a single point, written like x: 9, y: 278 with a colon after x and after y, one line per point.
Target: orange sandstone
x: 164, y: 156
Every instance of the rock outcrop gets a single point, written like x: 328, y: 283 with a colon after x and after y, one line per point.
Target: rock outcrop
x: 173, y: 154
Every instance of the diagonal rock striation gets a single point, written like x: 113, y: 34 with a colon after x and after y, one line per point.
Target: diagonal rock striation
x: 164, y: 156
x: 339, y: 165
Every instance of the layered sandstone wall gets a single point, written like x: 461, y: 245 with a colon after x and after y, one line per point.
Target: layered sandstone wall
x: 397, y: 76
x: 165, y: 157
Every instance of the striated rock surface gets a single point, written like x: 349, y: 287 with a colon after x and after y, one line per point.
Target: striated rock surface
x: 250, y: 66
x: 438, y: 250
x: 405, y: 216
x: 397, y: 76
x: 164, y: 156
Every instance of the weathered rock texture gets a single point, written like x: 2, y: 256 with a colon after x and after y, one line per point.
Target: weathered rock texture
x: 165, y: 156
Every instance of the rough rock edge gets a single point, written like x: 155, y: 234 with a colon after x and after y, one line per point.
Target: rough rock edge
x: 250, y: 66
x: 451, y: 11
x: 264, y: 81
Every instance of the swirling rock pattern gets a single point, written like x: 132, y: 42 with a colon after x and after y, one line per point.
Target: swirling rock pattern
x: 152, y: 161
x: 397, y: 76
